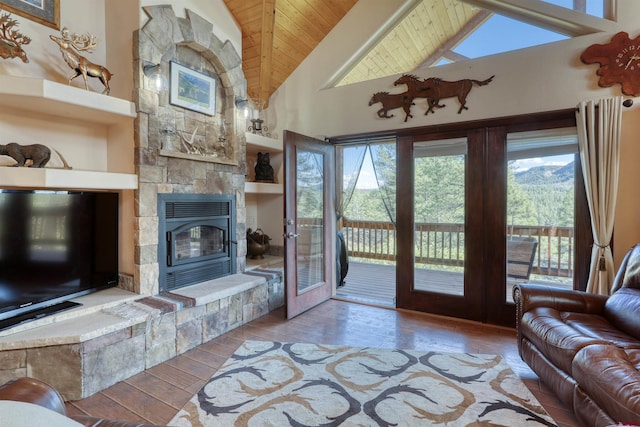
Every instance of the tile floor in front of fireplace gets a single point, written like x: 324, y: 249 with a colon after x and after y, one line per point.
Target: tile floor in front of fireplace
x: 156, y: 395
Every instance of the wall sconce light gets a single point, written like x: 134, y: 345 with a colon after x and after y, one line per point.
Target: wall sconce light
x: 245, y: 106
x: 257, y: 126
x: 153, y: 72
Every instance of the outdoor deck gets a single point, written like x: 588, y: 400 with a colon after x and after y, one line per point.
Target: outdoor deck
x: 376, y: 283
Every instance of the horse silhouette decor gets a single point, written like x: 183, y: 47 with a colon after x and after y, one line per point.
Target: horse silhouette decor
x: 391, y: 102
x: 434, y: 89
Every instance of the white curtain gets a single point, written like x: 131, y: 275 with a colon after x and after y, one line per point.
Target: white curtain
x: 599, y: 123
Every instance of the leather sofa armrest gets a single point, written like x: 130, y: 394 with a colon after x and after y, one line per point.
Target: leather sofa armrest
x: 31, y: 390
x: 527, y: 297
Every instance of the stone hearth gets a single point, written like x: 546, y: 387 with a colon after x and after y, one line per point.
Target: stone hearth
x: 117, y: 334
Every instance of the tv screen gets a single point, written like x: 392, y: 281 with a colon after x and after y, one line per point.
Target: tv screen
x: 54, y: 245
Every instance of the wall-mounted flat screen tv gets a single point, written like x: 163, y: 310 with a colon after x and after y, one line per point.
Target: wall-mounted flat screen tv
x: 54, y: 246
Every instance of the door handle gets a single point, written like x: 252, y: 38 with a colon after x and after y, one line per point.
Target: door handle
x: 291, y: 235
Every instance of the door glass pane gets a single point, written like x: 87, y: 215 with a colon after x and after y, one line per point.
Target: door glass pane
x: 540, y: 207
x: 310, y: 222
x: 439, y: 217
x: 366, y: 212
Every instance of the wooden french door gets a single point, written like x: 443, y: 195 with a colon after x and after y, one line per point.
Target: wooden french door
x: 309, y: 223
x: 471, y: 284
x: 427, y: 279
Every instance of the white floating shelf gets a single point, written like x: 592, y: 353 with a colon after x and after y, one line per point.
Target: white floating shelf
x: 21, y: 177
x: 262, y: 188
x: 46, y: 97
x: 263, y: 142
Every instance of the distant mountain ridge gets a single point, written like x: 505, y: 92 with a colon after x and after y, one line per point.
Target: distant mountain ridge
x: 545, y: 175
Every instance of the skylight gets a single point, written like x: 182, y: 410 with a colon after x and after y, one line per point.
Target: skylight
x: 438, y: 32
x: 501, y: 34
x: 590, y: 7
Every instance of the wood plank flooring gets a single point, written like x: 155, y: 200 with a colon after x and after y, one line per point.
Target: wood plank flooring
x: 156, y: 395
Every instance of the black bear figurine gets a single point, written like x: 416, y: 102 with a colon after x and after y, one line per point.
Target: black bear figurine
x: 263, y: 169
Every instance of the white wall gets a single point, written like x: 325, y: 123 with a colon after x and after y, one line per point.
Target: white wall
x: 542, y: 78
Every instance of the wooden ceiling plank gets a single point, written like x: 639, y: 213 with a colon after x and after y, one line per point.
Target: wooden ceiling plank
x: 294, y: 42
x: 266, y: 45
x: 291, y: 20
x: 311, y: 17
x: 328, y: 13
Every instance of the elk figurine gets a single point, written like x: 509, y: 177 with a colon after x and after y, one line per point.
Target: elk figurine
x: 70, y: 47
x: 11, y: 40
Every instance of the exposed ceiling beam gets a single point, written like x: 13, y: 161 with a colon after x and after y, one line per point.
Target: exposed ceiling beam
x: 453, y: 56
x: 266, y: 49
x: 446, y: 49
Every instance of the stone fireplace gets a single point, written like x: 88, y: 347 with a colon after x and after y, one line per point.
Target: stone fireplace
x: 164, y: 131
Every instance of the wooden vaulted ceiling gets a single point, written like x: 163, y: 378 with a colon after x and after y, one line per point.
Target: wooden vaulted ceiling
x: 277, y: 35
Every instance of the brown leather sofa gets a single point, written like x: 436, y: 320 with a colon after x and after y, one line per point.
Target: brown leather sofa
x: 586, y: 347
x: 34, y: 391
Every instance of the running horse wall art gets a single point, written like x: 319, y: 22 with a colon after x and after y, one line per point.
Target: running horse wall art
x: 391, y: 102
x: 433, y: 89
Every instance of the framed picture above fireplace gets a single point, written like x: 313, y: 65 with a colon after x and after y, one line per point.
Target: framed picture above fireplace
x: 192, y: 90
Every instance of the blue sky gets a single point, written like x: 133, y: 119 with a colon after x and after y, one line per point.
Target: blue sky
x: 501, y: 34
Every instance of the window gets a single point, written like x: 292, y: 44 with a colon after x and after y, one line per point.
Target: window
x: 541, y: 207
x: 435, y: 32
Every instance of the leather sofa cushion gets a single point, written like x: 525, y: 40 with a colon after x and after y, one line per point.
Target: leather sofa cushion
x: 609, y: 376
x: 558, y: 341
x: 622, y: 309
x: 599, y: 327
x: 560, y: 335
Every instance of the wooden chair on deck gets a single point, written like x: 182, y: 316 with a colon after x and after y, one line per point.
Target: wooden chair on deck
x: 520, y: 254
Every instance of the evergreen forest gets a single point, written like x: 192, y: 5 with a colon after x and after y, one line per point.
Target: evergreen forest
x: 542, y: 195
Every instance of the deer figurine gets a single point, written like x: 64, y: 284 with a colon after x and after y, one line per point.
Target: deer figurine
x: 11, y: 40
x: 70, y: 47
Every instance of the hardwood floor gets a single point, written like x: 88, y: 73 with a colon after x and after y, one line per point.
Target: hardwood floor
x: 156, y: 395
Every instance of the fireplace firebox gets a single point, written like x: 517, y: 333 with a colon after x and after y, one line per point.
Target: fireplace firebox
x: 196, y: 238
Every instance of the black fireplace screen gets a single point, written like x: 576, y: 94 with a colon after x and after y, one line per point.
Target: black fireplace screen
x: 195, y: 238
x: 196, y: 242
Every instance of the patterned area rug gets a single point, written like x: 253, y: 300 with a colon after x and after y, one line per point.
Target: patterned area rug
x: 291, y: 384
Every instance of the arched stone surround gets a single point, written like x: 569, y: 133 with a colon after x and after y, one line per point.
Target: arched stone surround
x: 160, y: 165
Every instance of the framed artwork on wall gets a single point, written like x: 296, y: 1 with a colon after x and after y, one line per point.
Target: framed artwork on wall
x: 45, y: 12
x: 192, y: 90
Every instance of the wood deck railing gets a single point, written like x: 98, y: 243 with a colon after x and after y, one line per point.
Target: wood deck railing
x: 443, y: 244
